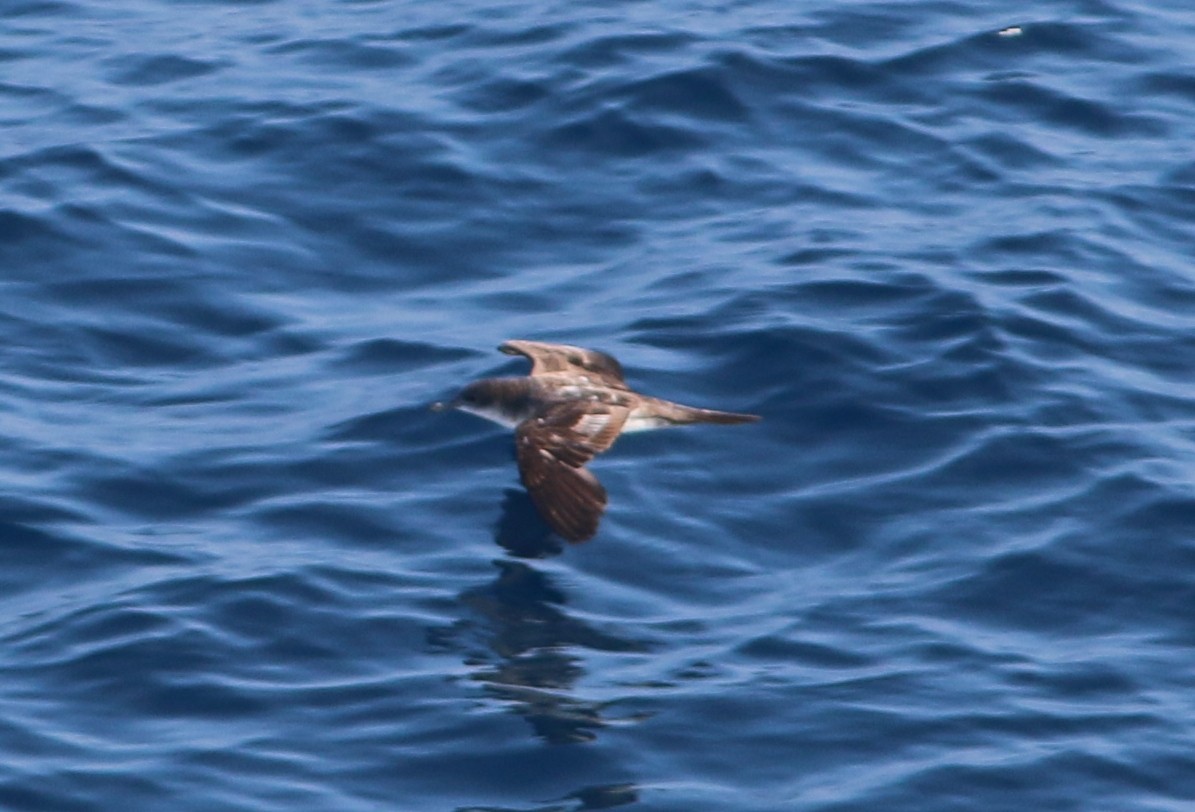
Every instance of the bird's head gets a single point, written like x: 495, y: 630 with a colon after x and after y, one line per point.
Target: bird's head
x: 473, y: 397
x: 495, y: 399
x: 478, y: 396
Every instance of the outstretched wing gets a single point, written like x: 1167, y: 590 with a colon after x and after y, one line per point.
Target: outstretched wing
x: 553, y: 449
x: 549, y: 358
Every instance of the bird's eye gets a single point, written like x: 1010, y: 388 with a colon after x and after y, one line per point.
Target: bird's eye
x: 575, y: 359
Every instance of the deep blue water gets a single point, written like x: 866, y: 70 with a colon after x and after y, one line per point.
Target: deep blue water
x: 244, y: 244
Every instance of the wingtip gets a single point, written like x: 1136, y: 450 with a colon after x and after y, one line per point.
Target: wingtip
x: 572, y: 530
x: 568, y: 529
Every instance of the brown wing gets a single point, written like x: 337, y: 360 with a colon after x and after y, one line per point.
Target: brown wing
x: 553, y: 448
x: 549, y: 358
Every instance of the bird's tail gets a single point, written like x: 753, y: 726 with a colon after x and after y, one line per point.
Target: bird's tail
x: 715, y: 416
x: 692, y: 414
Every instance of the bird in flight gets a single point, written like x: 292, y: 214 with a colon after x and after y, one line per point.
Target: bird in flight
x: 571, y: 407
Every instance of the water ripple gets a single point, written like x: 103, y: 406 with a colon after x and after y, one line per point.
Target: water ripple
x: 944, y: 253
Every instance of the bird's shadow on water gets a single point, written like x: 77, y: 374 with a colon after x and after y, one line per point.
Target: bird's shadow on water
x: 524, y: 648
x: 605, y: 796
x: 519, y: 641
x: 521, y: 532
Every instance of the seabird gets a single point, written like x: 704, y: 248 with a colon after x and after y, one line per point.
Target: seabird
x: 571, y: 407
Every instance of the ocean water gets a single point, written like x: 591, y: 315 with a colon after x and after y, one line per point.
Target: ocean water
x: 944, y: 248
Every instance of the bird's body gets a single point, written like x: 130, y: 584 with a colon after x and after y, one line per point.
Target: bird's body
x: 571, y: 407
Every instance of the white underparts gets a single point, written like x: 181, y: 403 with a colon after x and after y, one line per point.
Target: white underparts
x: 496, y: 415
x: 588, y: 424
x: 635, y: 423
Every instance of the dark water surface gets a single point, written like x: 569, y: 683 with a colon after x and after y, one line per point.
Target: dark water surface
x: 243, y: 244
